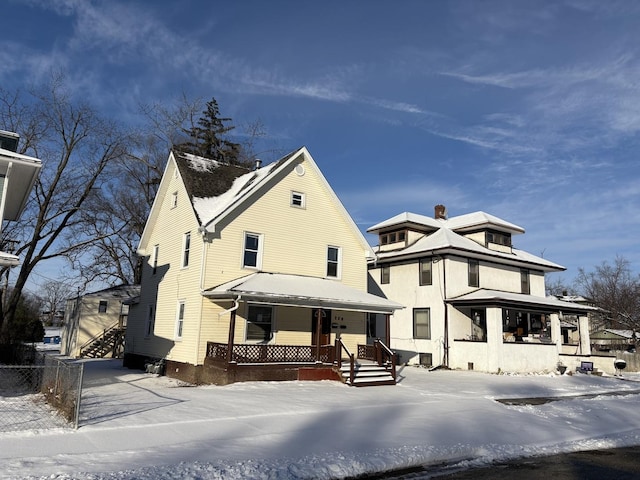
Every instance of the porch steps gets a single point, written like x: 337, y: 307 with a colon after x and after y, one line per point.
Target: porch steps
x: 367, y: 375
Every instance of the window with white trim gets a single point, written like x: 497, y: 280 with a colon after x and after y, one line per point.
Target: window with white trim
x: 180, y: 320
x: 298, y: 199
x: 252, y: 256
x: 259, y: 323
x: 334, y: 255
x: 174, y: 199
x: 186, y: 246
x: 151, y: 321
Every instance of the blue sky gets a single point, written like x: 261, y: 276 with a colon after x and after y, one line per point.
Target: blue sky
x: 526, y: 110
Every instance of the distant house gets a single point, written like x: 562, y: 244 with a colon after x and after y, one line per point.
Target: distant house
x: 94, y: 323
x: 613, y: 339
x: 18, y: 175
x: 251, y: 274
x: 474, y: 301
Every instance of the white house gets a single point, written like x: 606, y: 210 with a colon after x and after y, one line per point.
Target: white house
x: 474, y: 301
x: 18, y: 174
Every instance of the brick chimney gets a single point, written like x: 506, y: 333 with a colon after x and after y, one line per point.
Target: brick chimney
x: 440, y: 212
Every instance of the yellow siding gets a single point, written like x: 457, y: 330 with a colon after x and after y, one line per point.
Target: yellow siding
x: 171, y: 283
x: 91, y: 322
x: 295, y: 239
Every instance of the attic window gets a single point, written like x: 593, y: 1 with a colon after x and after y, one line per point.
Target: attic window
x: 297, y: 199
x: 174, y: 199
x: 393, y: 237
x: 499, y: 238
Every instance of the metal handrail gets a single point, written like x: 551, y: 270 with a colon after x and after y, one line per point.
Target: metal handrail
x: 352, y: 368
x: 102, y: 335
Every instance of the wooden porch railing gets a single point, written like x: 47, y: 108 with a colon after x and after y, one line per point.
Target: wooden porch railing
x: 379, y: 353
x: 340, y: 347
x: 255, y: 353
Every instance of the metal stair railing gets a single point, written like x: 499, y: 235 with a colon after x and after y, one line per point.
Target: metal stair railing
x: 100, y: 340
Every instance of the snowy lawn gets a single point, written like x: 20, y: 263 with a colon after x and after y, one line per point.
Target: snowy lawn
x: 136, y: 425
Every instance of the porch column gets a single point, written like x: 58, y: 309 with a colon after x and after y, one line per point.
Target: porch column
x: 556, y: 333
x: 585, y: 339
x: 387, y: 330
x: 232, y: 330
x: 494, y: 339
x: 318, y: 333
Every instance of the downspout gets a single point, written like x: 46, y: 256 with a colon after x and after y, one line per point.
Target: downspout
x: 446, y: 314
x: 203, y: 259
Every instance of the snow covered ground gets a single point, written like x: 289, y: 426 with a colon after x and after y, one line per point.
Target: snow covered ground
x: 141, y: 426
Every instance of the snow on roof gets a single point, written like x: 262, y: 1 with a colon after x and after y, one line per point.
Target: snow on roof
x: 408, y: 217
x: 214, y: 187
x: 458, y: 223
x: 496, y: 296
x: 278, y: 288
x: 445, y: 239
x: 481, y: 219
x: 209, y: 208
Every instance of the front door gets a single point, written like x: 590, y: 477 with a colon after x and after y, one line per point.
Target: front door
x: 325, y: 326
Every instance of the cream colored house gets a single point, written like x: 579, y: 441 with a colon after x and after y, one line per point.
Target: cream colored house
x: 474, y: 301
x: 18, y: 174
x: 249, y: 274
x: 94, y: 323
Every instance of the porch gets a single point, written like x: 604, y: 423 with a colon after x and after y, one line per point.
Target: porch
x: 372, y: 365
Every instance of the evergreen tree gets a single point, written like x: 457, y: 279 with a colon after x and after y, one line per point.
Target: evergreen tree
x: 207, y: 137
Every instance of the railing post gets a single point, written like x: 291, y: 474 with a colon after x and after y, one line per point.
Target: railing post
x: 232, y: 329
x: 338, y: 353
x: 352, y: 370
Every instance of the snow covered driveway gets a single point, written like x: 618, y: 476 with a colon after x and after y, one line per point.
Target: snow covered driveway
x: 136, y: 425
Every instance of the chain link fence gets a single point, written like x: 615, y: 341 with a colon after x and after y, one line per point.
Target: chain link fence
x: 38, y: 391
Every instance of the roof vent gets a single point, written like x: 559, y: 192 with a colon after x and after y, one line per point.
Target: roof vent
x: 258, y: 164
x: 9, y: 141
x: 440, y: 212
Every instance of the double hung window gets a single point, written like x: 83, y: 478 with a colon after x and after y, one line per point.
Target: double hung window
x: 333, y: 262
x: 252, y: 257
x: 421, y: 323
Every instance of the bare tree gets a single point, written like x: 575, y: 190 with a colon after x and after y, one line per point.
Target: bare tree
x: 77, y: 148
x: 614, y: 289
x: 53, y: 295
x: 557, y: 287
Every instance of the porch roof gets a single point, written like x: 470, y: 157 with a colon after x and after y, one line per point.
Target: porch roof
x: 301, y: 291
x: 496, y: 297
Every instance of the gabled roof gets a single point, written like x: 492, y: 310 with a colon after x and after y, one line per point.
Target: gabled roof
x: 216, y: 190
x: 447, y: 241
x: 496, y: 297
x: 612, y: 334
x: 303, y: 291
